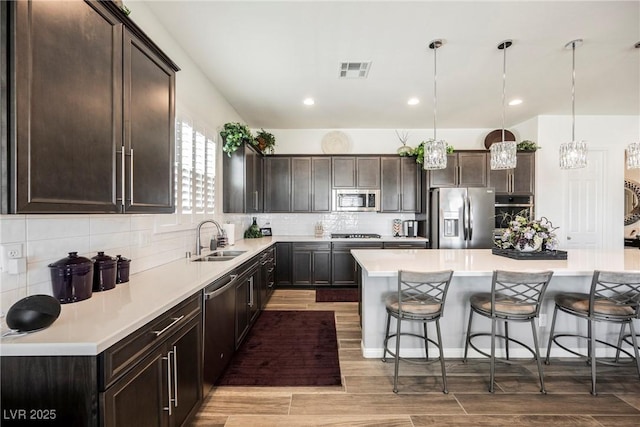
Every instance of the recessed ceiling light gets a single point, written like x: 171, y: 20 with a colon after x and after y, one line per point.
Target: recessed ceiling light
x: 515, y: 102
x: 413, y: 101
x: 308, y: 101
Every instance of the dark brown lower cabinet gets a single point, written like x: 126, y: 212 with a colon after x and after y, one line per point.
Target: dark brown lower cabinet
x: 247, y: 303
x: 153, y: 377
x: 344, y: 269
x: 311, y: 263
x: 283, y: 264
x: 267, y: 275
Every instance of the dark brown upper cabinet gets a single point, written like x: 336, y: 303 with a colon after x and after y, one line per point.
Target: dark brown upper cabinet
x: 401, y: 184
x: 242, y: 183
x: 278, y: 184
x: 91, y: 112
x: 356, y: 172
x: 464, y: 169
x: 320, y: 184
x: 520, y: 180
x: 310, y: 184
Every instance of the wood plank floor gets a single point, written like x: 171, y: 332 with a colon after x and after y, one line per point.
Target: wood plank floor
x: 366, y: 398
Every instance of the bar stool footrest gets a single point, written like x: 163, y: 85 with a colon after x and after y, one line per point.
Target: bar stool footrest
x: 502, y: 359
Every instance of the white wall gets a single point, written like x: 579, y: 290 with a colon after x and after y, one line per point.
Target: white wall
x: 374, y: 141
x: 610, y: 134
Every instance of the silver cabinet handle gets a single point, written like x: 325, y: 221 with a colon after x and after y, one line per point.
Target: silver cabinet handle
x: 168, y: 359
x: 131, y: 175
x: 251, y: 291
x: 175, y: 320
x: 175, y: 375
x: 122, y: 180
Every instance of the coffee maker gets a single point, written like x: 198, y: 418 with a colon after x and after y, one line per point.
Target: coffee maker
x: 410, y: 228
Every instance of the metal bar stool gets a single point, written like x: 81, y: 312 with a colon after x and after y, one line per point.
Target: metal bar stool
x: 614, y: 298
x: 514, y: 296
x: 420, y: 298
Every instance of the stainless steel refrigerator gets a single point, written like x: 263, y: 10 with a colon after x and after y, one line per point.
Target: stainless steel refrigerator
x: 462, y: 218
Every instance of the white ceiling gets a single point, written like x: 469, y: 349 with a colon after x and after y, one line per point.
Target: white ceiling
x: 265, y: 57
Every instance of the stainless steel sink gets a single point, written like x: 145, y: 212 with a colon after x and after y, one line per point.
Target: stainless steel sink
x: 219, y: 256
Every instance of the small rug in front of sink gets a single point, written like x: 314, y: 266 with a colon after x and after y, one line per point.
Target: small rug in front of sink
x: 337, y: 295
x: 287, y: 348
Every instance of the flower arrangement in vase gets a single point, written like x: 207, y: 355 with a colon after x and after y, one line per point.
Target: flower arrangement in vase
x: 527, y: 235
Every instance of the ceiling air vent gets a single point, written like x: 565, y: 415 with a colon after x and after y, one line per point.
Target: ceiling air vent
x: 354, y: 70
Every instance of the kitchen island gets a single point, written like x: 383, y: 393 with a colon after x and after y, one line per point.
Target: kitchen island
x: 472, y: 272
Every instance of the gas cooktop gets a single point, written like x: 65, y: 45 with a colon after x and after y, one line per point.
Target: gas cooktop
x: 355, y: 236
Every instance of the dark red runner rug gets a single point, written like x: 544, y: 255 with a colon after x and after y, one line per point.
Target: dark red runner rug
x: 287, y: 348
x: 337, y: 295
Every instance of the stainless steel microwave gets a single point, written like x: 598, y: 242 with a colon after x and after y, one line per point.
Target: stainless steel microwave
x: 356, y: 200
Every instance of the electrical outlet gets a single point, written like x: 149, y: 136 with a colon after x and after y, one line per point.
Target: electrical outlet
x: 542, y: 320
x: 13, y: 251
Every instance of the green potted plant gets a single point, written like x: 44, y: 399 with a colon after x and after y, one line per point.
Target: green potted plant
x: 265, y: 141
x: 527, y: 145
x: 234, y: 135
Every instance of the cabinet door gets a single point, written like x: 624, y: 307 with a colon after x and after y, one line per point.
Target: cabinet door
x: 140, y: 398
x: 219, y: 334
x: 447, y: 177
x: 343, y: 268
x: 321, y: 267
x: 344, y: 172
x: 410, y: 200
x: 301, y: 184
x: 283, y: 264
x: 253, y: 181
x: 254, y: 296
x: 499, y: 179
x: 321, y: 184
x: 149, y: 129
x: 185, y: 351
x: 302, y: 266
x: 233, y: 181
x: 368, y: 172
x: 391, y: 184
x: 68, y: 98
x: 278, y: 184
x: 524, y: 174
x: 472, y: 169
x: 242, y: 310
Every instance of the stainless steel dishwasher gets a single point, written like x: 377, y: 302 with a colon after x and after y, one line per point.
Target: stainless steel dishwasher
x: 219, y: 327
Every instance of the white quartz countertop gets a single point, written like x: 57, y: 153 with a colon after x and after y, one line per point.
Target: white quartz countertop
x: 481, y: 262
x: 91, y: 326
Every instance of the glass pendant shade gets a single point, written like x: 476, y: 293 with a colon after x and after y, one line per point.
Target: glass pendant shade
x: 573, y: 155
x: 503, y: 155
x: 435, y: 154
x: 633, y: 156
x: 435, y: 151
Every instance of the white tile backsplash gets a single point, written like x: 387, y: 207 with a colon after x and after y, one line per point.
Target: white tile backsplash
x: 48, y: 238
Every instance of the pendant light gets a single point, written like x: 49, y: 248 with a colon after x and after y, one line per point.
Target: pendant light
x: 435, y: 152
x: 503, y: 153
x: 633, y: 150
x: 573, y: 155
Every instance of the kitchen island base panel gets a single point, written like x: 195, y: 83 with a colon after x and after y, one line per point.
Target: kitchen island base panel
x: 456, y: 315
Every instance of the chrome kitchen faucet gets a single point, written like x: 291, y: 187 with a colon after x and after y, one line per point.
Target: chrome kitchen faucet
x: 198, y: 245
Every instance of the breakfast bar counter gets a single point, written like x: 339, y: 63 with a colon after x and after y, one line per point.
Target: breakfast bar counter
x: 472, y: 272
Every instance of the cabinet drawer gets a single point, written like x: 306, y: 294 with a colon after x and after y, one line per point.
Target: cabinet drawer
x: 313, y: 246
x: 356, y: 245
x: 119, y: 358
x: 405, y: 245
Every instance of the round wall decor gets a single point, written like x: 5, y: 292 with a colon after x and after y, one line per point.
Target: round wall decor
x: 336, y: 142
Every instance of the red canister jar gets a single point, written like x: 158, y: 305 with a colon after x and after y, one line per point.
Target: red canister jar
x: 72, y: 278
x: 104, y: 272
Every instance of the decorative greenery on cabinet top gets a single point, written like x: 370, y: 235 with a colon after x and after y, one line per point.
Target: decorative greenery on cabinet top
x: 234, y: 135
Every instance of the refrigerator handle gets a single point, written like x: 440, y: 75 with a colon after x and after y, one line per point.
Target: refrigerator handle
x: 464, y: 219
x: 469, y: 218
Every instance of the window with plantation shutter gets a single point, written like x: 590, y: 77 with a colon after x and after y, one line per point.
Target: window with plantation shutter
x: 195, y: 169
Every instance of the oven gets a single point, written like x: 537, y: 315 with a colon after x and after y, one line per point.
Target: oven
x: 511, y: 205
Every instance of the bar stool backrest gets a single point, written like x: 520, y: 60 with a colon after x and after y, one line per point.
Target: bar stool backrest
x: 618, y: 288
x: 518, y: 292
x: 416, y: 286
